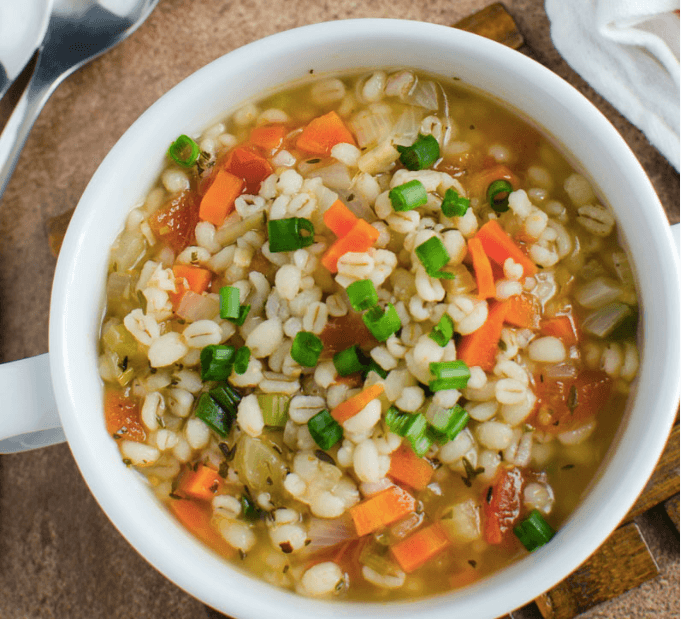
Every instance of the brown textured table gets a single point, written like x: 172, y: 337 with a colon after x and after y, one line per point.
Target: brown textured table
x: 60, y: 557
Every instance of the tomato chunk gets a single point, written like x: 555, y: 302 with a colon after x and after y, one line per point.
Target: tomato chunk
x: 174, y: 223
x: 249, y: 166
x: 564, y: 405
x: 501, y: 504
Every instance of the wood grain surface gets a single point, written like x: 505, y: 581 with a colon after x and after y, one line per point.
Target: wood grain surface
x: 60, y: 557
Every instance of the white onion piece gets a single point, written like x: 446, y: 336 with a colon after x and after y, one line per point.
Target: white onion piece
x: 335, y: 176
x: 118, y: 286
x: 603, y: 322
x: 424, y: 95
x: 228, y: 235
x: 195, y: 307
x: 598, y: 292
x: 371, y: 488
x: 166, y: 257
x: 407, y: 127
x: 370, y: 127
x: 325, y: 533
x: 561, y: 371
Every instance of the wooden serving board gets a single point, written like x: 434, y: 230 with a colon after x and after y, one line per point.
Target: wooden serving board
x: 624, y: 561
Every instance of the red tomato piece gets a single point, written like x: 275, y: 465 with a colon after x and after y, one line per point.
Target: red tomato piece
x: 122, y: 415
x: 174, y: 223
x: 502, y: 503
x: 250, y: 166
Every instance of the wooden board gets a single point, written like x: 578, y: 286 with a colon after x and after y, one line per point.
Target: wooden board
x: 493, y: 22
x: 622, y: 563
x: 672, y: 509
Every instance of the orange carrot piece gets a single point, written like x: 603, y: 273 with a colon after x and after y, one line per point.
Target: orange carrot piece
x: 382, y: 509
x: 339, y: 218
x: 356, y: 403
x: 407, y: 468
x: 323, y: 133
x: 359, y: 239
x: 523, y: 311
x: 480, y: 347
x: 562, y: 327
x: 198, y: 279
x: 122, y: 416
x: 202, y: 484
x: 268, y: 137
x: 219, y: 199
x: 482, y: 268
x: 498, y: 246
x: 418, y: 549
x: 196, y: 517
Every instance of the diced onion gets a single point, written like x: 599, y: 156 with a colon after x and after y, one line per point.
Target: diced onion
x: 326, y: 533
x: 424, y: 95
x: 335, y: 176
x: 603, y: 322
x: 230, y: 234
x: 598, y: 292
x: 195, y: 307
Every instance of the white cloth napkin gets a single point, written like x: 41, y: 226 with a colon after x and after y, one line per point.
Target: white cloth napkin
x: 628, y: 50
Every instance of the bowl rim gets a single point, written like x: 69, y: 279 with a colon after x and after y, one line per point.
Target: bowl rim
x: 73, y: 352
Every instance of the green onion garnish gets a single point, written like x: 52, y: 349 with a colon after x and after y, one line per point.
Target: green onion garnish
x: 449, y: 375
x: 374, y: 367
x: 184, y: 151
x: 497, y: 195
x: 421, y: 154
x: 229, y: 302
x: 409, y: 196
x: 243, y: 312
x: 534, y: 531
x: 241, y: 359
x: 325, y: 430
x: 362, y: 295
x: 217, y: 361
x: 433, y: 256
x: 398, y: 421
x: 306, y: 349
x: 350, y: 360
x: 216, y: 416
x: 227, y: 397
x: 290, y: 234
x: 249, y: 508
x: 454, y: 205
x: 447, y: 423
x: 418, y: 435
x: 274, y: 407
x: 443, y: 331
x: 382, y: 323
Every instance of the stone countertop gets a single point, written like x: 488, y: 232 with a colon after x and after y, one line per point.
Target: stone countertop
x: 60, y: 557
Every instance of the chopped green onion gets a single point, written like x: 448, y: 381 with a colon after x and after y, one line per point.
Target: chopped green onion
x: 227, y: 397
x: 374, y: 367
x: 214, y: 415
x: 454, y: 205
x: 382, y: 323
x: 325, y: 430
x: 421, y: 154
x: 349, y: 360
x: 241, y: 359
x: 274, y: 407
x: 243, y: 312
x: 417, y: 434
x: 409, y: 196
x: 534, y: 531
x: 433, y: 256
x: 447, y: 423
x: 229, y: 302
x: 184, y: 151
x: 362, y: 295
x: 287, y: 234
x: 449, y: 375
x: 398, y: 421
x: 443, y: 331
x: 497, y: 195
x: 217, y: 361
x: 306, y: 349
x: 249, y: 508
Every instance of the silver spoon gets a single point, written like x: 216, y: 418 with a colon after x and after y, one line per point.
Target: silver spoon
x: 22, y: 30
x: 78, y: 31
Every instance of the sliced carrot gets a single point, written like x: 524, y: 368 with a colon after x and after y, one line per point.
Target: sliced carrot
x: 421, y: 547
x: 218, y: 201
x: 323, y: 133
x: 480, y: 347
x: 268, y: 137
x: 201, y: 484
x: 339, y: 218
x: 499, y: 246
x: 359, y: 239
x: 407, y: 468
x: 483, y: 269
x: 197, y: 518
x: 482, y: 180
x: 356, y: 403
x: 382, y: 509
x: 198, y: 279
x: 249, y: 166
x: 122, y: 415
x: 524, y: 311
x: 562, y: 327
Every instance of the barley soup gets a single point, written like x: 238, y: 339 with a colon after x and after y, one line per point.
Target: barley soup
x: 369, y: 337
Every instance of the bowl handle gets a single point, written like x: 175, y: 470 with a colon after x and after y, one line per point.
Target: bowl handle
x: 29, y: 417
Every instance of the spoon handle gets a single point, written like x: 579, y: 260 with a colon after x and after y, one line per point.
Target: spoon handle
x: 14, y: 135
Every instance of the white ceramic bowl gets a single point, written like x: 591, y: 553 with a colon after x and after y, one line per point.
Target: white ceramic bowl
x: 127, y: 174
